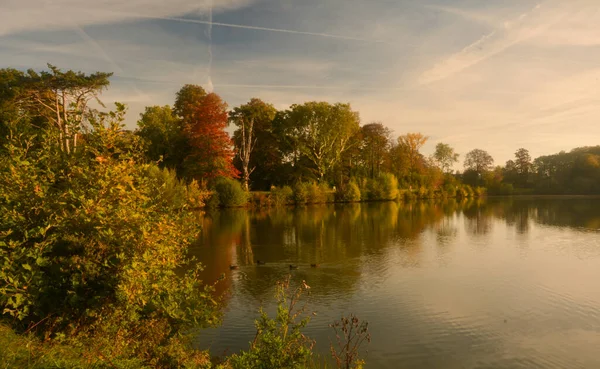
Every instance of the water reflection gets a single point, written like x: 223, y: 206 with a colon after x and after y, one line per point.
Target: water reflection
x: 440, y: 277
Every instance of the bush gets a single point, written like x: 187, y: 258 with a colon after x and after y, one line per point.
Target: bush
x: 230, y: 193
x: 310, y: 193
x: 92, y: 258
x: 348, y: 193
x: 174, y: 192
x: 480, y: 191
x: 281, y: 195
x: 279, y: 342
x: 389, y: 186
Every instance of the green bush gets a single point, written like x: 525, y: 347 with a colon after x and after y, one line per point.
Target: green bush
x: 480, y: 191
x: 279, y: 342
x: 310, y: 193
x: 92, y: 257
x: 384, y: 187
x: 348, y: 193
x: 388, y: 186
x: 281, y: 196
x: 174, y: 192
x: 230, y: 193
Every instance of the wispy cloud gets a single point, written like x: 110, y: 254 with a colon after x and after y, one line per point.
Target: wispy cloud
x: 512, y: 32
x: 31, y: 15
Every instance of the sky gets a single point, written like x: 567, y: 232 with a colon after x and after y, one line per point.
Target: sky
x: 496, y: 75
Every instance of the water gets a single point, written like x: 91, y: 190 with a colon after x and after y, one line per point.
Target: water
x: 501, y: 283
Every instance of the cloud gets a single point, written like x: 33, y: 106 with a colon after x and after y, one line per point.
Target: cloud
x: 32, y: 15
x: 512, y: 32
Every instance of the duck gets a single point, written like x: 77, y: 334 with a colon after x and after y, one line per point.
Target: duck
x: 314, y: 265
x: 292, y: 266
x: 260, y: 262
x: 233, y: 267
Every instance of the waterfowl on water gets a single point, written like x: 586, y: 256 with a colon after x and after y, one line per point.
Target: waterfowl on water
x: 314, y: 265
x: 260, y: 262
x: 232, y: 267
x: 292, y: 266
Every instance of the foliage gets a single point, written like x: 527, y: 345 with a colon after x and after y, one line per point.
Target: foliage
x: 479, y: 161
x: 384, y: 187
x: 254, y: 120
x: 320, y: 132
x: 310, y: 193
x: 282, y: 195
x: 375, y: 143
x: 59, y: 100
x: 205, y: 118
x: 230, y: 192
x: 350, y: 335
x: 90, y: 251
x: 445, y: 157
x: 279, y: 342
x: 348, y: 193
x: 162, y: 134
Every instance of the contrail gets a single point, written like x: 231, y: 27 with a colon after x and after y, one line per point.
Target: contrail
x: 210, y: 86
x: 256, y: 28
x: 84, y: 35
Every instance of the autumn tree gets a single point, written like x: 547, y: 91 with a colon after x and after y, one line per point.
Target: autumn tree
x: 204, y: 119
x: 321, y: 132
x: 254, y: 122
x: 411, y: 143
x: 445, y: 157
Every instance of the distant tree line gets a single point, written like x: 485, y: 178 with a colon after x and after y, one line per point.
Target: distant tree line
x: 314, y: 141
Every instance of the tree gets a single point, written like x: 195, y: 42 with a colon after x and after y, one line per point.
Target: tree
x: 374, y: 146
x: 321, y: 132
x: 204, y: 119
x: 253, y: 120
x: 445, y: 157
x: 163, y: 136
x: 412, y: 143
x: 479, y: 161
x: 60, y: 98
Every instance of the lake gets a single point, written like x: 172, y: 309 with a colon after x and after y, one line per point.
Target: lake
x: 495, y: 283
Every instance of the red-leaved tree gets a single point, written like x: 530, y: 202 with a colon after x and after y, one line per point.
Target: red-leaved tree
x: 205, y: 119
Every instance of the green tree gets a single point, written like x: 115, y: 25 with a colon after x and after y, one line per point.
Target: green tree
x: 445, y: 157
x: 321, y: 132
x: 254, y: 122
x: 162, y: 133
x: 59, y: 99
x: 523, y: 166
x: 375, y: 147
x: 479, y: 161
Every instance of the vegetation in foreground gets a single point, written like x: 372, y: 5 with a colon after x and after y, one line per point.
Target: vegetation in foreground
x: 94, y: 265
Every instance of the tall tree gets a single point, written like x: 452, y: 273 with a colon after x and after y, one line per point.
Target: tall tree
x: 204, y: 119
x: 375, y: 146
x: 60, y: 98
x: 523, y: 165
x: 478, y: 161
x: 254, y: 120
x: 445, y: 157
x: 412, y: 143
x: 321, y: 132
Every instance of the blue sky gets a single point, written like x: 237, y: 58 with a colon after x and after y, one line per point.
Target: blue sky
x: 496, y: 75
